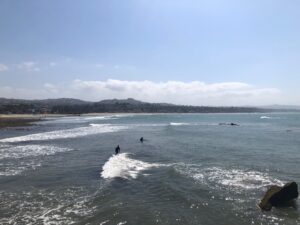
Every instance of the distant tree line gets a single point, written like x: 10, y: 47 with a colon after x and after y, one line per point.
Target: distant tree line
x: 146, y: 108
x: 73, y: 106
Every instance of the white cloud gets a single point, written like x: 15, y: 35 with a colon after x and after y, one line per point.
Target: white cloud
x: 191, y: 93
x: 29, y: 66
x: 3, y: 67
x: 177, y: 92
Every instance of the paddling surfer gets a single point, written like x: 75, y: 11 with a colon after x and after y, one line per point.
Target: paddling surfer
x: 117, y: 150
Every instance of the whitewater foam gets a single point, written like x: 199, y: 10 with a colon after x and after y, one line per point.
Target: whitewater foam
x: 122, y: 223
x: 22, y: 151
x: 100, y: 118
x: 178, y: 124
x: 70, y: 133
x: 107, y: 117
x: 241, y: 178
x: 123, y: 166
x: 16, y: 159
x: 265, y: 117
x: 229, y: 178
x: 49, y: 208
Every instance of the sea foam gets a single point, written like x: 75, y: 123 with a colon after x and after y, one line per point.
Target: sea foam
x: 16, y: 159
x: 22, y: 151
x: 46, y: 207
x: 241, y: 178
x: 229, y: 178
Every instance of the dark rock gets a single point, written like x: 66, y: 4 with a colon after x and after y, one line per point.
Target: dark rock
x: 265, y: 203
x: 287, y: 193
x: 279, y: 196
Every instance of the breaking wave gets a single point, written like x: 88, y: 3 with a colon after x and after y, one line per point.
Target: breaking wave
x: 70, y: 133
x: 265, y: 117
x: 270, y: 117
x: 178, y: 124
x: 122, y: 166
x: 100, y: 117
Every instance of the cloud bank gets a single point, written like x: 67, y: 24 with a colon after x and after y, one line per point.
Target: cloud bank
x: 177, y: 92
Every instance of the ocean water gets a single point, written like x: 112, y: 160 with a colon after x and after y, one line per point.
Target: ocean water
x: 189, y: 170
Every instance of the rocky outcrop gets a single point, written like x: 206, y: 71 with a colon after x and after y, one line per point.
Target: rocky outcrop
x: 279, y: 196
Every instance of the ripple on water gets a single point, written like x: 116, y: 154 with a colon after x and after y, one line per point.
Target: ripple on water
x: 42, y: 207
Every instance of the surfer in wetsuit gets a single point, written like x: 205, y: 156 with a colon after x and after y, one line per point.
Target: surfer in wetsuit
x: 117, y: 150
x: 141, y: 139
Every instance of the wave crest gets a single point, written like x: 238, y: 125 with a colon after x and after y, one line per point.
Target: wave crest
x: 178, y: 124
x: 70, y: 133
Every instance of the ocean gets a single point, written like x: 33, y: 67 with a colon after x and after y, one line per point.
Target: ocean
x: 189, y: 169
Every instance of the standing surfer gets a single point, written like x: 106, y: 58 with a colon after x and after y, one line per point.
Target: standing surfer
x: 141, y: 139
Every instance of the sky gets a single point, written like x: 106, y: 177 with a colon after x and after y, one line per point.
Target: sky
x: 191, y: 52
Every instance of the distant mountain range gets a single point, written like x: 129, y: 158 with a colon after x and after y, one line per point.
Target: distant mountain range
x: 76, y: 106
x: 285, y: 107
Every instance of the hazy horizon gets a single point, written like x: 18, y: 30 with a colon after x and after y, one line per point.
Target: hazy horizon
x: 217, y: 53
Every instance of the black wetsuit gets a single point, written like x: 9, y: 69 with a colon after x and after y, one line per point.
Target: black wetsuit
x: 117, y: 150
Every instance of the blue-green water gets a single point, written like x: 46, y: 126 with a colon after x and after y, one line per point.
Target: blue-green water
x: 189, y: 170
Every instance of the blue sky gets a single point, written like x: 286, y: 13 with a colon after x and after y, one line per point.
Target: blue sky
x: 218, y: 52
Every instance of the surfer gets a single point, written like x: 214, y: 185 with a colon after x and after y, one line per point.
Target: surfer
x: 117, y: 150
x: 141, y: 139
